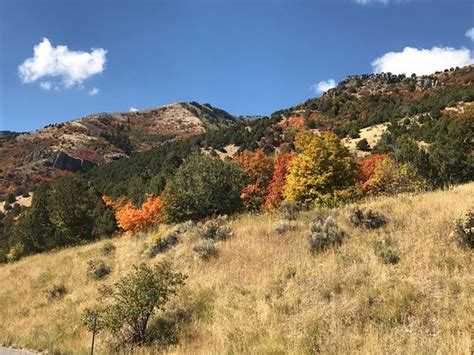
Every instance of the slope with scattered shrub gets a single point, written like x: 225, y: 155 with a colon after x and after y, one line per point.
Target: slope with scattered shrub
x: 401, y: 286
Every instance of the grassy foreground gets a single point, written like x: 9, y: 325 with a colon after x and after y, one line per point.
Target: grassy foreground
x: 266, y: 294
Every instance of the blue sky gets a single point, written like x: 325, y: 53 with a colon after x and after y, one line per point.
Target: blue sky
x: 247, y: 57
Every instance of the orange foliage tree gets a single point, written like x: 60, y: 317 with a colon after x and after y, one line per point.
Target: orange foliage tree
x: 258, y: 168
x: 133, y: 219
x: 277, y: 185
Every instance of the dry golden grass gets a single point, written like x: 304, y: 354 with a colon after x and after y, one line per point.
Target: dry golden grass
x: 373, y: 134
x: 266, y: 294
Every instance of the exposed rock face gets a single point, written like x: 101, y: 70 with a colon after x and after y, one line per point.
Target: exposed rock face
x: 59, y: 160
x: 66, y: 162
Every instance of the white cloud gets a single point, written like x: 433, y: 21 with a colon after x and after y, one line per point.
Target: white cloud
x: 422, y: 61
x: 470, y: 33
x: 70, y: 67
x: 323, y: 86
x: 133, y: 109
x: 94, y: 91
x: 46, y: 85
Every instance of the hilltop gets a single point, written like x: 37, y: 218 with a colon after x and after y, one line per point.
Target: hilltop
x: 78, y: 145
x: 265, y: 292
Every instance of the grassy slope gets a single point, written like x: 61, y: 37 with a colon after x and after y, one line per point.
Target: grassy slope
x: 343, y: 300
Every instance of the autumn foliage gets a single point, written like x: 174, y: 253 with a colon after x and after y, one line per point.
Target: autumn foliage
x: 277, y: 185
x: 324, y: 171
x: 367, y: 168
x: 258, y: 168
x: 133, y: 219
x: 380, y: 174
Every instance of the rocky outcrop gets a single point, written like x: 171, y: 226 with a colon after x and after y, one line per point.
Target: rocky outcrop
x: 60, y: 160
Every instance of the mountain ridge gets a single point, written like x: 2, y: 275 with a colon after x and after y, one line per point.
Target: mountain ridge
x: 28, y: 158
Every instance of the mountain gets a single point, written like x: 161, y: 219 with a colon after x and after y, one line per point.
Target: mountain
x: 30, y: 158
x: 382, y: 108
x: 361, y: 106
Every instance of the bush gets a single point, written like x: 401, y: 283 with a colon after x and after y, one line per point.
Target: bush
x: 281, y: 227
x: 11, y: 198
x: 354, y: 134
x: 289, y: 210
x: 107, y: 249
x: 366, y: 218
x: 162, y: 243
x: 324, y: 233
x: 15, y: 253
x: 97, y: 270
x: 134, y: 300
x: 387, y: 251
x: 363, y: 145
x: 169, y: 239
x: 56, y: 291
x: 134, y: 219
x: 463, y: 231
x: 205, y: 249
x: 202, y: 187
x: 214, y: 229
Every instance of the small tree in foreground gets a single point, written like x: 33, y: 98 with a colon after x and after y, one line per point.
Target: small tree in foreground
x: 133, y: 301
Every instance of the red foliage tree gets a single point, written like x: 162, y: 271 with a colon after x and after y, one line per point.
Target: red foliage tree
x: 367, y: 167
x: 277, y: 185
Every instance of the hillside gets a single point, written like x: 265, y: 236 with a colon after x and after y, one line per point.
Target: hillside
x: 363, y: 101
x: 265, y: 293
x: 30, y: 158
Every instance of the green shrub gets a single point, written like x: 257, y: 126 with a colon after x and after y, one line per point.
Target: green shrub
x: 324, y: 233
x: 97, y: 269
x: 366, y: 218
x: 214, y: 229
x: 387, y: 251
x: 289, y: 210
x: 15, y: 252
x: 354, y: 134
x: 205, y: 249
x: 202, y: 187
x: 57, y: 291
x: 463, y: 231
x: 363, y: 145
x: 133, y: 301
x: 11, y: 198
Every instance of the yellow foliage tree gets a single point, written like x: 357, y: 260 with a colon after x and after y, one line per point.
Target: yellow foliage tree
x: 323, y: 171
